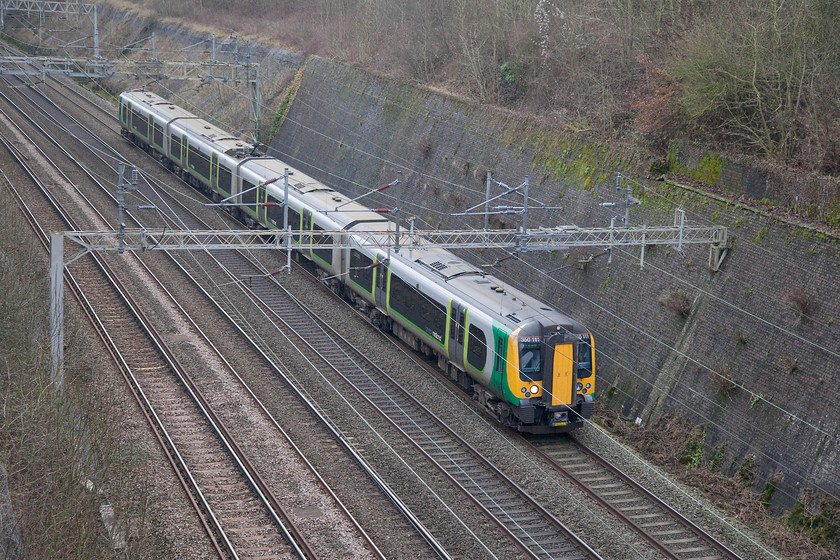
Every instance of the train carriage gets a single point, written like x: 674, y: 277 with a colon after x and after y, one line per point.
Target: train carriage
x: 529, y: 365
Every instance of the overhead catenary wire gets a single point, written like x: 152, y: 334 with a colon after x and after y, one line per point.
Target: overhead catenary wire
x: 367, y: 153
x: 101, y: 154
x: 427, y: 208
x: 384, y: 160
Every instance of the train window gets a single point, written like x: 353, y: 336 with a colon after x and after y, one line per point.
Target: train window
x: 224, y: 180
x: 360, y: 274
x: 324, y: 254
x: 158, y: 135
x: 476, y: 348
x: 584, y: 368
x: 530, y: 362
x: 274, y: 214
x: 427, y: 315
x: 199, y: 163
x: 140, y: 123
x: 249, y: 195
x: 175, y: 146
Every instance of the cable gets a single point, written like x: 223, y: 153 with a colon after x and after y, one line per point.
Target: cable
x: 366, y: 153
x: 384, y: 160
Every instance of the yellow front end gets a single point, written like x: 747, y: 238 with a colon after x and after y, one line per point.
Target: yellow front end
x: 563, y: 375
x: 565, y: 379
x: 518, y: 387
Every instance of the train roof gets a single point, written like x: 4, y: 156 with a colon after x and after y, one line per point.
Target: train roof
x: 471, y: 284
x: 190, y: 123
x: 487, y: 293
x: 319, y: 197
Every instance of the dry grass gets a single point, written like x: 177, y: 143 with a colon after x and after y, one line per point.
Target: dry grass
x: 665, y: 444
x: 677, y: 302
x: 52, y: 442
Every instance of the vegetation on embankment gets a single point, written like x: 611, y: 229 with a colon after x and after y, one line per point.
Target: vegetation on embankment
x: 62, y: 449
x: 760, y: 77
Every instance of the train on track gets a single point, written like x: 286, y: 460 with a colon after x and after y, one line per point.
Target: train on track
x: 531, y: 366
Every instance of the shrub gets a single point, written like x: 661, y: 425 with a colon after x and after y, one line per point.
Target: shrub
x: 692, y: 454
x: 424, y: 146
x: 676, y: 302
x: 746, y: 472
x: 770, y: 488
x: 800, y: 301
x: 820, y: 521
x: 723, y: 379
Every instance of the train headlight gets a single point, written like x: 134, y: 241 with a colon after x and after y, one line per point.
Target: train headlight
x: 579, y: 386
x: 524, y: 390
x: 534, y: 389
x: 588, y: 385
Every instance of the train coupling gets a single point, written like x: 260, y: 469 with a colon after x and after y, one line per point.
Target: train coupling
x: 560, y: 418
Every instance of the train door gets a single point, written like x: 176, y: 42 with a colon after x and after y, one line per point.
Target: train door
x: 457, y: 319
x: 381, y: 289
x: 559, y: 383
x: 306, y: 226
x: 214, y: 171
x: 259, y: 209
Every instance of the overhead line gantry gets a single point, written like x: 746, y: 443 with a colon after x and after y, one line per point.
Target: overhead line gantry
x: 97, y: 68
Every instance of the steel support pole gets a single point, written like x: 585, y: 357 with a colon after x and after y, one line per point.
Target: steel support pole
x: 288, y: 227
x: 95, y: 33
x: 256, y: 104
x: 525, y: 208
x: 487, y: 204
x: 120, y: 207
x: 57, y: 309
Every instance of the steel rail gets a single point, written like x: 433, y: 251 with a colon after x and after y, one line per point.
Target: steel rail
x: 397, y: 388
x: 372, y: 546
x: 213, y: 529
x: 713, y: 543
x: 293, y: 535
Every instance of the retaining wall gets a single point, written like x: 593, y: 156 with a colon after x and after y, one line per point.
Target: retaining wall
x: 755, y: 361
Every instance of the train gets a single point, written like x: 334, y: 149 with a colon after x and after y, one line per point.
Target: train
x: 530, y: 366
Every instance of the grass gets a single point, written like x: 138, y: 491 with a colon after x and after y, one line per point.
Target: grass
x: 675, y: 445
x: 61, y: 447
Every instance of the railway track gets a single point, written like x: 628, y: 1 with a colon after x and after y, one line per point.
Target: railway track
x: 240, y: 513
x: 537, y: 532
x: 239, y: 521
x: 662, y: 527
x: 675, y: 536
x: 533, y: 528
x: 418, y: 538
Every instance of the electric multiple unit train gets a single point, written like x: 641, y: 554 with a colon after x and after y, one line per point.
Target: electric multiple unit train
x: 531, y: 366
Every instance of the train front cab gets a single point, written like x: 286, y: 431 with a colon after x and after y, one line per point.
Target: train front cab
x: 569, y: 379
x: 553, y: 371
